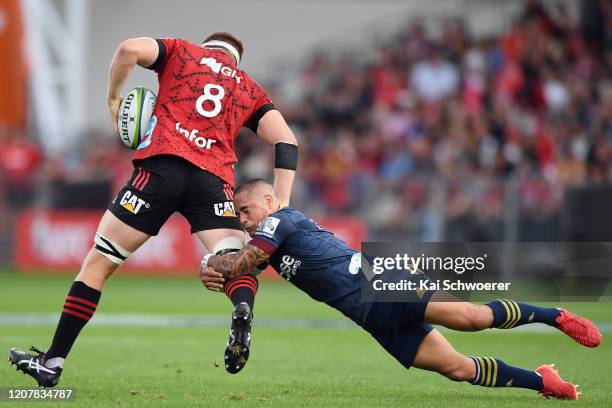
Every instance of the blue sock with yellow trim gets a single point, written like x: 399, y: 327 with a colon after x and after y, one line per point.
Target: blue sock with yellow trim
x: 491, y: 372
x: 508, y: 314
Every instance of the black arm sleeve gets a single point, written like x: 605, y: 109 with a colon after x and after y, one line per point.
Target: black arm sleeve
x: 160, y: 57
x: 285, y: 156
x: 253, y: 122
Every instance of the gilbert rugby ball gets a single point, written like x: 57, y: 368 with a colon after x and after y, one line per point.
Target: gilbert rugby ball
x: 135, y: 111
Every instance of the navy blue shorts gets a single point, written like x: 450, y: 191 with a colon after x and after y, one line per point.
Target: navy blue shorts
x: 399, y: 328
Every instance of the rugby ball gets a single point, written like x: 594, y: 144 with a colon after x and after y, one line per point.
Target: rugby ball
x: 135, y: 111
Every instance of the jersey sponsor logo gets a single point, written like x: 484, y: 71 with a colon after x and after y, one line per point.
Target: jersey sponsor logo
x: 225, y: 209
x: 132, y: 202
x: 267, y: 227
x: 193, y: 137
x: 289, y: 266
x: 218, y: 67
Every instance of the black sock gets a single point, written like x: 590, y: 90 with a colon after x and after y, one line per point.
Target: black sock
x: 508, y: 314
x: 80, y: 305
x: 242, y: 289
x: 491, y: 372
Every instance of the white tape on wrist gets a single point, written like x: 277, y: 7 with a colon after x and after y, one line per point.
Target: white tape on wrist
x: 205, y: 259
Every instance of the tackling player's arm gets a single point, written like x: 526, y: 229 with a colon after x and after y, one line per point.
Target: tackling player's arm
x: 270, y: 234
x: 141, y: 51
x: 236, y: 264
x: 273, y: 129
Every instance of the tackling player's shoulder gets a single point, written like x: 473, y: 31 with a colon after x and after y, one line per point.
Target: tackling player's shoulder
x: 284, y: 215
x: 289, y: 212
x: 294, y: 216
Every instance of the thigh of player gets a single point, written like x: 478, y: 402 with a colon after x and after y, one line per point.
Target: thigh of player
x: 402, y: 341
x: 209, y: 209
x: 116, y: 230
x: 398, y: 328
x: 138, y: 211
x: 152, y: 194
x: 113, y: 243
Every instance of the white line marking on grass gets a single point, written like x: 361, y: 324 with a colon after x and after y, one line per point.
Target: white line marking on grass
x: 145, y: 320
x: 142, y: 320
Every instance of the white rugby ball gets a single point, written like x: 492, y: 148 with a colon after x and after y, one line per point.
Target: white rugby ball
x: 135, y: 111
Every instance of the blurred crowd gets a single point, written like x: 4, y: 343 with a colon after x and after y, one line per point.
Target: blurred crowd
x: 427, y: 127
x: 82, y: 177
x: 382, y: 128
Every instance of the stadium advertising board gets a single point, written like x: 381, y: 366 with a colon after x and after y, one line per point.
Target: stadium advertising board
x: 59, y: 240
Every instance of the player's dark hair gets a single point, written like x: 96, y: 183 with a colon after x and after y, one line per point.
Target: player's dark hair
x: 248, y: 185
x: 228, y: 38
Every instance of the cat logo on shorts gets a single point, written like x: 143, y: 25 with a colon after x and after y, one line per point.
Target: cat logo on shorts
x: 132, y: 202
x: 225, y: 209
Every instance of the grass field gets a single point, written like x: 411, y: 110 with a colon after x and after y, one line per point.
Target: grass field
x: 319, y: 363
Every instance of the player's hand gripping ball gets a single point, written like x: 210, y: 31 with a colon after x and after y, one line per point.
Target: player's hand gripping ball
x: 135, y: 120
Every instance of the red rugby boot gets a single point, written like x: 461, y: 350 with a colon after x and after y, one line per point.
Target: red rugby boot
x: 578, y: 328
x: 555, y: 386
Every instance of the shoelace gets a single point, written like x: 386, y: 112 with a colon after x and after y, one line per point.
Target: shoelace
x: 34, y: 349
x: 37, y: 362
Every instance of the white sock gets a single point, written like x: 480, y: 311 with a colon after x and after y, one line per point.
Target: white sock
x: 55, y: 362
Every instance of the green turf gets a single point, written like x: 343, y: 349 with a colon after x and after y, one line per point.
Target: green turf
x: 176, y: 367
x: 154, y: 295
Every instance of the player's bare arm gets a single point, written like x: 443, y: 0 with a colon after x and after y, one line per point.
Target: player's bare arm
x: 141, y: 51
x: 236, y: 264
x: 273, y: 129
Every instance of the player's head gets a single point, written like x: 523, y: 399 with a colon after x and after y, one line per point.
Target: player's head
x: 254, y: 201
x: 227, y: 42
